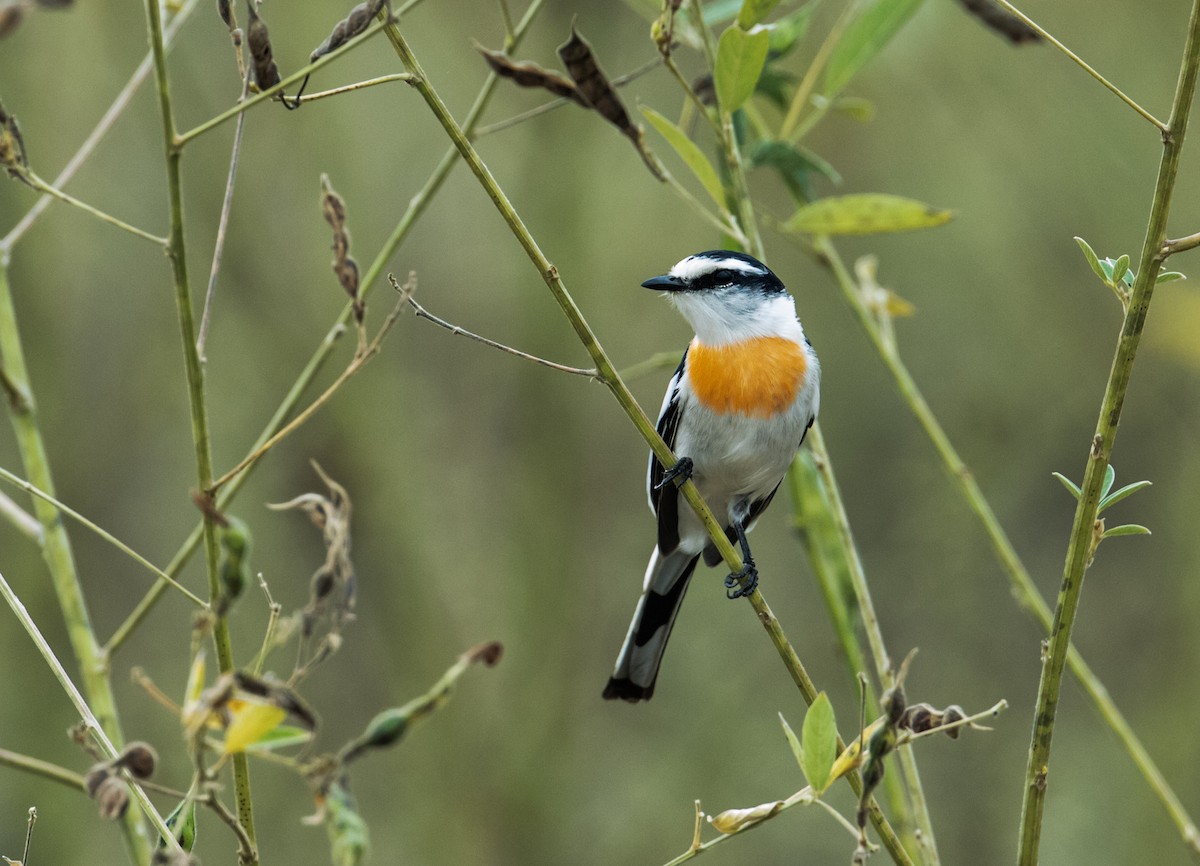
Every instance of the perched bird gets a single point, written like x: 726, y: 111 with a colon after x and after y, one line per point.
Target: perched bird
x: 736, y: 410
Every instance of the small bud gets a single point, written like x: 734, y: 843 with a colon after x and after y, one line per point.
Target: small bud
x: 139, y: 759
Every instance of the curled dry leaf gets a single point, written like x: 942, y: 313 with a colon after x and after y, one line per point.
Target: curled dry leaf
x: 353, y: 24
x: 732, y: 820
x: 344, y: 267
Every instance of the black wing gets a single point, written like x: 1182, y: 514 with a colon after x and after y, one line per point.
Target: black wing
x: 664, y: 499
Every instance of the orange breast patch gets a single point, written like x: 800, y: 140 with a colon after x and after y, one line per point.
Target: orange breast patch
x: 759, y: 377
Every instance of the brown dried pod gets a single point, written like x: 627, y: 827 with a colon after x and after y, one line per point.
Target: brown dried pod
x: 112, y: 796
x: 139, y: 759
x: 12, y: 146
x: 344, y: 267
x: 226, y: 13
x: 10, y: 19
x: 594, y: 85
x: 266, y: 73
x: 999, y: 19
x: 529, y: 74
x: 353, y: 24
x: 93, y: 778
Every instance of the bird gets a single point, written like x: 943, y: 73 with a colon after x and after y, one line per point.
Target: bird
x: 736, y: 411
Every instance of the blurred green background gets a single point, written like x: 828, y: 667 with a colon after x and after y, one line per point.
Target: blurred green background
x: 498, y: 500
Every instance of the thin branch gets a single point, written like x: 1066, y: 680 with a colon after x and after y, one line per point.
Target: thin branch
x: 222, y: 223
x: 463, y: 332
x: 1080, y: 548
x: 101, y: 129
x: 107, y: 536
x: 358, y: 85
x: 81, y: 706
x: 416, y: 207
x: 38, y: 767
x: 46, y: 188
x: 25, y: 522
x: 1179, y: 245
x: 1037, y: 28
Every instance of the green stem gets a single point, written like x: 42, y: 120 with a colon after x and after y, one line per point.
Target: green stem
x: 177, y: 253
x: 1024, y: 589
x: 416, y: 207
x: 608, y: 375
x: 81, y: 705
x: 1033, y: 25
x: 45, y: 188
x: 1081, y: 547
x: 57, y: 552
x: 45, y: 769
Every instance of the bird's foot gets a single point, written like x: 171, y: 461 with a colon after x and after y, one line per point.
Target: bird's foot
x: 679, y: 473
x: 734, y: 586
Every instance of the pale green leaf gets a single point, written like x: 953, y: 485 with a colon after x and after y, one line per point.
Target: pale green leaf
x: 1169, y: 276
x: 281, y: 737
x: 793, y: 741
x: 787, y: 32
x: 754, y: 12
x: 872, y: 28
x: 1068, y: 483
x: 1126, y: 529
x: 1126, y: 491
x: 818, y: 743
x: 1110, y: 475
x: 1120, y: 268
x: 1092, y: 259
x: 740, y: 59
x: 864, y: 214
x: 691, y: 155
x: 855, y: 107
x: 717, y: 12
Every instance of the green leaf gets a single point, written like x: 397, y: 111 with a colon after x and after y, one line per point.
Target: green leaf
x: 691, y: 155
x: 793, y: 741
x: 776, y: 85
x: 873, y: 27
x: 787, y: 32
x: 1068, y: 483
x: 280, y: 737
x: 1120, y: 268
x: 1092, y: 259
x: 754, y: 12
x: 1117, y: 495
x: 348, y: 836
x: 740, y: 59
x: 818, y: 744
x: 855, y: 107
x: 1126, y: 529
x: 182, y: 823
x: 1110, y: 475
x: 864, y: 214
x: 717, y: 12
x: 796, y: 166
x: 1169, y: 276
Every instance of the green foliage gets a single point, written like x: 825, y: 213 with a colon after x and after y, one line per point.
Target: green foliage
x: 869, y: 213
x: 741, y: 56
x: 819, y: 743
x: 876, y: 22
x: 693, y: 157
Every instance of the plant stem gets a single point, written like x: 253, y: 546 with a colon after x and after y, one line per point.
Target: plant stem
x: 416, y: 207
x: 1024, y: 589
x: 81, y: 705
x: 45, y: 188
x: 1033, y: 25
x: 45, y: 769
x: 57, y: 552
x: 608, y: 375
x: 1080, y: 549
x: 177, y: 253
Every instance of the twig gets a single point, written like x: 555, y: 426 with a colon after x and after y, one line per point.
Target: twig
x: 17, y: 481
x: 25, y: 522
x: 1033, y: 25
x: 1179, y: 245
x: 416, y: 207
x: 357, y: 362
x: 46, y: 188
x: 222, y: 223
x: 101, y: 129
x: 81, y: 706
x: 1080, y: 549
x: 358, y: 85
x: 463, y: 332
x: 45, y: 769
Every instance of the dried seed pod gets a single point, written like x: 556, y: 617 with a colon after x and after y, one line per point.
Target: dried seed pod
x: 353, y: 24
x: 139, y: 759
x: 10, y: 19
x: 112, y: 796
x: 344, y: 267
x: 234, y: 567
x: 999, y: 19
x: 529, y: 74
x: 12, y: 146
x: 266, y: 73
x: 226, y: 13
x: 94, y: 777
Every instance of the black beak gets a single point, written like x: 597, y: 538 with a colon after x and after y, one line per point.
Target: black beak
x: 665, y: 283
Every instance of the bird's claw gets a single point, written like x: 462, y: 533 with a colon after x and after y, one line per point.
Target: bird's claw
x: 734, y: 588
x: 679, y: 473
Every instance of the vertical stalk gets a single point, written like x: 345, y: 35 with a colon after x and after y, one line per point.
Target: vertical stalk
x: 57, y: 552
x: 176, y: 252
x: 1082, y: 543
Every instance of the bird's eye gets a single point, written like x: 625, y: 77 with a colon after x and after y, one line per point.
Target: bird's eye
x: 723, y: 277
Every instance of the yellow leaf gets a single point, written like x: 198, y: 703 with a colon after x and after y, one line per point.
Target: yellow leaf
x: 863, y: 215
x: 251, y: 720
x: 732, y: 820
x: 851, y: 757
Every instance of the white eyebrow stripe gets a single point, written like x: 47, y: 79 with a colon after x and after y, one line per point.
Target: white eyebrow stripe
x: 697, y: 266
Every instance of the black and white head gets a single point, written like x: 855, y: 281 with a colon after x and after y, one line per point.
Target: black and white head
x: 729, y: 297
